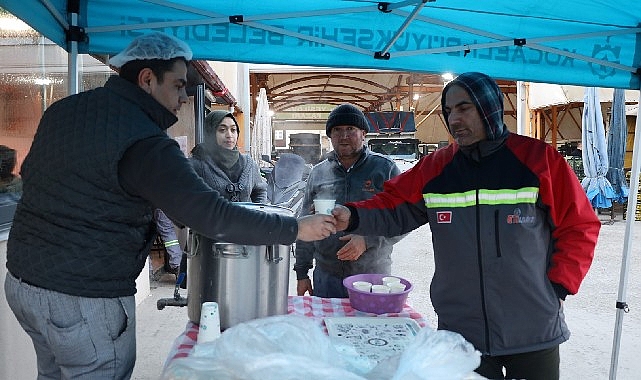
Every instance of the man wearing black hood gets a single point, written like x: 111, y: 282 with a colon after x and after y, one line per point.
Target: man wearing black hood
x: 513, y: 232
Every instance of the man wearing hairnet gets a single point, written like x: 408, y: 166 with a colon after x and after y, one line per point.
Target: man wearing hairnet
x: 99, y: 164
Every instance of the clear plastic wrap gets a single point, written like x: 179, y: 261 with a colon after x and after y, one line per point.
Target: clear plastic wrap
x: 294, y: 347
x: 272, y: 348
x: 438, y: 354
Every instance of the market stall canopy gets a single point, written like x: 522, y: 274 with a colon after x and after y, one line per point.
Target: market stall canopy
x: 561, y: 107
x: 589, y: 43
x: 592, y: 43
x: 546, y: 94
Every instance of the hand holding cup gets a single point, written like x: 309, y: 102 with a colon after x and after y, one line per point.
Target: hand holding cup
x: 324, y: 206
x: 342, y: 215
x: 315, y: 227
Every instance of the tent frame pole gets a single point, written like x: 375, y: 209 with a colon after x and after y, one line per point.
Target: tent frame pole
x: 621, y: 305
x: 72, y: 60
x: 199, y: 114
x: 532, y: 43
x: 403, y: 27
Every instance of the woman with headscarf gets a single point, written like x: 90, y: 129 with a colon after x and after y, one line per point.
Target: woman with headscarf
x: 217, y: 160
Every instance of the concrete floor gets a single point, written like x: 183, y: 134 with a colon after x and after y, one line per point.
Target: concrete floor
x: 156, y: 329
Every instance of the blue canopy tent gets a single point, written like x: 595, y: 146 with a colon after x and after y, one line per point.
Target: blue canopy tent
x: 592, y: 43
x: 588, y: 43
x: 595, y: 154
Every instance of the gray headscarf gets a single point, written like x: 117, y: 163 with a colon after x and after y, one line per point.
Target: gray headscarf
x: 223, y: 157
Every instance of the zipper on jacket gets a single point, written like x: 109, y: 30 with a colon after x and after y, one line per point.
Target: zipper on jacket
x: 481, y: 281
x: 497, y: 240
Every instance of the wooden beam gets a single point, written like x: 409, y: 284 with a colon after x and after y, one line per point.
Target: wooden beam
x: 555, y: 126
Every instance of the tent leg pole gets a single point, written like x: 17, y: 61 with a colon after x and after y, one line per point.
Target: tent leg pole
x: 72, y: 61
x: 621, y: 305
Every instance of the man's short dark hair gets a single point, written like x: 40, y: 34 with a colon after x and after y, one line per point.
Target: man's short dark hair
x: 130, y: 70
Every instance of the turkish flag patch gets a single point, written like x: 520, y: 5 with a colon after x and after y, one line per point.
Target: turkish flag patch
x: 444, y: 217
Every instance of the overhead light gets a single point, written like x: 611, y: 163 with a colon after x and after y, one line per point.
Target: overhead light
x: 416, y: 96
x: 270, y: 113
x: 447, y: 77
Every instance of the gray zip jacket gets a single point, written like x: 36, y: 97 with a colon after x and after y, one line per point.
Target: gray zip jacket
x: 329, y: 179
x: 250, y: 187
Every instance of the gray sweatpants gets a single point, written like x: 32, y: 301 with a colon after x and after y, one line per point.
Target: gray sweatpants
x: 76, y: 337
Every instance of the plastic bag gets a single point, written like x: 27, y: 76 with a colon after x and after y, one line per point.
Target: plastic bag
x: 294, y: 347
x: 264, y: 367
x: 272, y: 348
x: 438, y: 354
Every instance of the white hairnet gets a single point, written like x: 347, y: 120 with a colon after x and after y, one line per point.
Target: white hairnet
x: 154, y: 45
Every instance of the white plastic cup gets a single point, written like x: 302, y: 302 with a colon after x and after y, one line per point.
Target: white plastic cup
x: 209, y: 329
x: 380, y: 289
x: 391, y: 280
x: 363, y: 286
x: 396, y: 287
x: 324, y: 206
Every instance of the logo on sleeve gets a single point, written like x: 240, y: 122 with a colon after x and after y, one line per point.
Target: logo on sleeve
x: 444, y: 216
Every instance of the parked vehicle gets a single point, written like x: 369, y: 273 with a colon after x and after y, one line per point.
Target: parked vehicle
x: 404, y: 151
x: 392, y: 134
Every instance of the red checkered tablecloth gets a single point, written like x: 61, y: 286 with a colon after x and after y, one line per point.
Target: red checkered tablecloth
x: 308, y: 306
x: 319, y: 308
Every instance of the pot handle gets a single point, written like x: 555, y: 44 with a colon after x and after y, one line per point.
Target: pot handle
x: 194, y: 247
x: 271, y: 254
x: 230, y: 251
